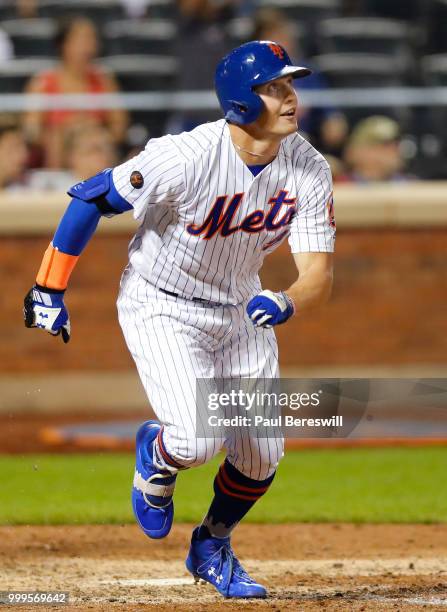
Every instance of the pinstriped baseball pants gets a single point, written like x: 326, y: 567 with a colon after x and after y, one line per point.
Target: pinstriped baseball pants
x: 174, y: 341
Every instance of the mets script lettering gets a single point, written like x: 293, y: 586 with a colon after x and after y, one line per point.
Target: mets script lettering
x: 220, y: 218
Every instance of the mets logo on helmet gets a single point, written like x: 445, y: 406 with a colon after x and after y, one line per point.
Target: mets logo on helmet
x: 277, y: 50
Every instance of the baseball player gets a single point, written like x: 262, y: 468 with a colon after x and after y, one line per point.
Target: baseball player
x: 212, y: 203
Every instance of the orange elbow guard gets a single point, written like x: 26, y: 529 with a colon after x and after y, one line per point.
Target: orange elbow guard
x: 56, y: 268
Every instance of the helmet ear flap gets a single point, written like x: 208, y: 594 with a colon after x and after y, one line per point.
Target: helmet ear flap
x: 238, y: 107
x: 246, y: 111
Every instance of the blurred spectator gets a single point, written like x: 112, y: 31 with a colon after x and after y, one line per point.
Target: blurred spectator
x: 6, y: 47
x: 338, y: 168
x: 202, y: 40
x: 373, y: 154
x: 325, y: 127
x: 77, y: 42
x: 87, y: 151
x: 27, y: 9
x: 13, y: 155
x: 200, y: 43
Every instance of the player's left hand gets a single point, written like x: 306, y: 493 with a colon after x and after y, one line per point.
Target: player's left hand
x: 268, y: 308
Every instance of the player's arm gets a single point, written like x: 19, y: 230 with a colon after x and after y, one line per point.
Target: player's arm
x: 312, y: 240
x: 313, y: 287
x: 91, y: 199
x: 311, y: 290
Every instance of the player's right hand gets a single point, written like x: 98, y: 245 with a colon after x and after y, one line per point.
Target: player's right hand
x: 45, y: 308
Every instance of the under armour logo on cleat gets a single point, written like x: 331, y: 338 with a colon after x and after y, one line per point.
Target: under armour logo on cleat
x: 43, y: 316
x: 212, y: 572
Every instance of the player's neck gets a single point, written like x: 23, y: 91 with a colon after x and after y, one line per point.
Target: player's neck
x: 251, y: 148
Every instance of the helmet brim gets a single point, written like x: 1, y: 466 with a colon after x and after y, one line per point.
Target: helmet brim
x: 297, y: 72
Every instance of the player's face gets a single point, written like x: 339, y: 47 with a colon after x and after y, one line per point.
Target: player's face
x: 280, y: 114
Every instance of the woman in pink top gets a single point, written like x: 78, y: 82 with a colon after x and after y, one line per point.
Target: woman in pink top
x: 77, y: 42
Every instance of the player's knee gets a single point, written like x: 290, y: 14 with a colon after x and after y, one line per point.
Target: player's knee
x: 201, y: 451
x: 192, y: 452
x: 263, y: 461
x: 271, y: 455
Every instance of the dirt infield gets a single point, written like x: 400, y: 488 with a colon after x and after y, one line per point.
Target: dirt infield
x: 305, y: 567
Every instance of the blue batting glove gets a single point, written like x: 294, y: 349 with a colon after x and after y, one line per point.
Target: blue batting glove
x: 268, y: 308
x: 45, y: 308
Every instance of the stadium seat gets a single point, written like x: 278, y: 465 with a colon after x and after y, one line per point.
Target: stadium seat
x: 308, y: 14
x: 15, y: 73
x: 240, y: 29
x: 360, y: 69
x: 100, y: 11
x: 434, y: 68
x: 142, y: 73
x: 437, y: 27
x: 307, y: 11
x: 7, y: 10
x: 162, y: 9
x: 31, y: 37
x: 365, y: 35
x: 409, y: 10
x: 153, y: 37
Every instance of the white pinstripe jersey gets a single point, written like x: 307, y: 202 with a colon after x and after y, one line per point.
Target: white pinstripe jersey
x: 207, y: 222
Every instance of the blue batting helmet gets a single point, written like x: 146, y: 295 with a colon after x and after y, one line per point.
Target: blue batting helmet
x: 251, y: 64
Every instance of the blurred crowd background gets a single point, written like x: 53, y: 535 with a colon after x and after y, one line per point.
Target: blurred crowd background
x: 172, y: 46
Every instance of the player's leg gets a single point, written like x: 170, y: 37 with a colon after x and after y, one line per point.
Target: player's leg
x: 250, y: 465
x: 249, y: 468
x: 169, y: 347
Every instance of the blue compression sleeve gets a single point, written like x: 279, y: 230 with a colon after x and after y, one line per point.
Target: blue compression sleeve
x: 76, y: 227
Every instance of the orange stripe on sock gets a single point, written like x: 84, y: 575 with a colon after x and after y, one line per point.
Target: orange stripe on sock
x: 56, y: 268
x: 258, y: 491
x: 231, y: 493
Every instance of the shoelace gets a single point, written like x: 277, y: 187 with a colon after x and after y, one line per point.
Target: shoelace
x: 224, y: 553
x: 235, y: 563
x: 239, y: 570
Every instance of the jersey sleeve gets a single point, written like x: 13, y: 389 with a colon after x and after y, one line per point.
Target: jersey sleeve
x: 313, y: 227
x: 154, y: 176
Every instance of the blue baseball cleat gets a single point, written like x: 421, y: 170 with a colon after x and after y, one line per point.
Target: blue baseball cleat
x: 152, y: 489
x: 214, y: 561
